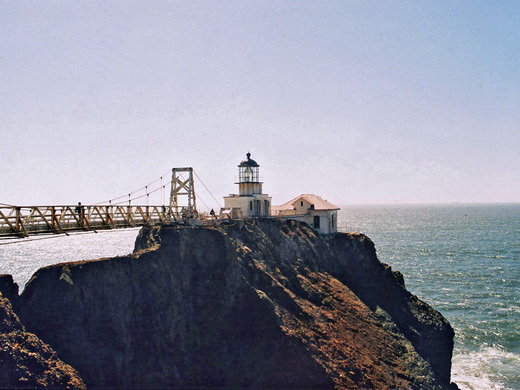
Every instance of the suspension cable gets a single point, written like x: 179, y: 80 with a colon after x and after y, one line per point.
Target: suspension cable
x: 134, y: 191
x: 197, y: 195
x: 139, y: 197
x: 207, y: 189
x: 128, y: 198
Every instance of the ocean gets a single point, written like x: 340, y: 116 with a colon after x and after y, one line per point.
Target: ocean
x: 464, y: 260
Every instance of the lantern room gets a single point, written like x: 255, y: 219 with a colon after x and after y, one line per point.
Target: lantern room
x: 249, y: 177
x: 248, y: 171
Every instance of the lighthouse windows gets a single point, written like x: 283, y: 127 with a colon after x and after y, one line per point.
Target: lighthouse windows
x: 248, y: 174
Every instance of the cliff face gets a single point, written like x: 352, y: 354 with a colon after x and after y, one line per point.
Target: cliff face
x: 25, y: 361
x: 265, y: 304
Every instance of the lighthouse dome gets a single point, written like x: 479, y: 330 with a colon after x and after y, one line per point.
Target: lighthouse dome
x: 249, y: 162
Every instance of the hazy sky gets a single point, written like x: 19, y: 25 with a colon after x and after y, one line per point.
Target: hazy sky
x: 356, y: 101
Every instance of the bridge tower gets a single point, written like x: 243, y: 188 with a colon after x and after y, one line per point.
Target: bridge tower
x: 179, y: 184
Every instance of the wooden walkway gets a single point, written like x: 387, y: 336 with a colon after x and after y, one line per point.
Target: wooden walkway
x: 22, y: 221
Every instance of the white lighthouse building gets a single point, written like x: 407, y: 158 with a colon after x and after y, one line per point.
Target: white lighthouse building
x: 249, y: 202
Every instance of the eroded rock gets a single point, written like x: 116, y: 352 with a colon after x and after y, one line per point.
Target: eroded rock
x: 266, y: 304
x: 26, y: 362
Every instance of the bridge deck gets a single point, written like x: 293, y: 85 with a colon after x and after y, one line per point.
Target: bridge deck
x: 23, y: 221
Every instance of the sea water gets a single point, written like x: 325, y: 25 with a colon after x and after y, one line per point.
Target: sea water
x: 464, y: 260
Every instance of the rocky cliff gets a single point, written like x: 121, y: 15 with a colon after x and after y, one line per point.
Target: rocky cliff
x: 265, y: 304
x: 26, y: 362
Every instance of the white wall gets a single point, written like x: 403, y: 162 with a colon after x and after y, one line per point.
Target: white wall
x: 243, y: 202
x: 328, y: 220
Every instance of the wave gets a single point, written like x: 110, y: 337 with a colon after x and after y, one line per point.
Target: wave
x: 489, y: 368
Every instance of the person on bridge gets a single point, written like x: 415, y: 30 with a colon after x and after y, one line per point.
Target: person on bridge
x: 80, y: 210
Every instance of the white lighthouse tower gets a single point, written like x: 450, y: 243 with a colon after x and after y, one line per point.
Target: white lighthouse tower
x: 250, y: 202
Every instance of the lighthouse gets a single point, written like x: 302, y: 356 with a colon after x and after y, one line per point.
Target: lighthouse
x: 249, y: 202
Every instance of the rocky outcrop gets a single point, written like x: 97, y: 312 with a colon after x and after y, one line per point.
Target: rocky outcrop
x: 267, y: 304
x: 9, y: 289
x: 381, y: 288
x: 28, y: 363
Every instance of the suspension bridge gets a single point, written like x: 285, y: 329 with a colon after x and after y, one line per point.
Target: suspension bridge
x: 120, y: 212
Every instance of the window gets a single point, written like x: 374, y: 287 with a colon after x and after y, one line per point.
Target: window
x: 251, y: 205
x: 316, y: 222
x: 301, y: 204
x: 248, y: 174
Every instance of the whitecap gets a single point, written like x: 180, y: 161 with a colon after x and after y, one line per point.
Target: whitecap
x: 489, y: 368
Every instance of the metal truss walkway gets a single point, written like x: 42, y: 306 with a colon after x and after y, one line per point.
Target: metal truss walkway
x: 22, y: 221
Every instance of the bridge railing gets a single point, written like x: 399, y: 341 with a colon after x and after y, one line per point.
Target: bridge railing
x: 25, y: 220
